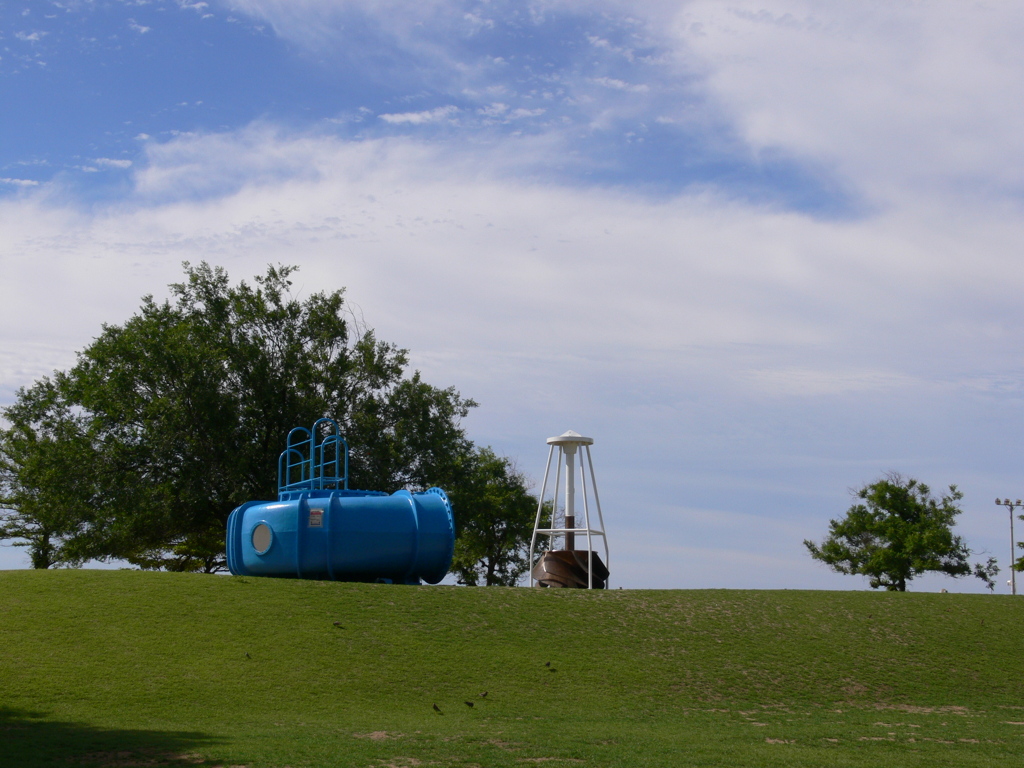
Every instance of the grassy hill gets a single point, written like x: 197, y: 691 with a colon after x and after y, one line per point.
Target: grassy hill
x: 124, y: 668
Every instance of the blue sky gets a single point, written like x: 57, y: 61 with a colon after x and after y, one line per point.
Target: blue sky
x: 89, y: 84
x: 762, y: 252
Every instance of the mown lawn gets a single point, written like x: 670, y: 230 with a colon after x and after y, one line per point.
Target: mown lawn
x: 125, y: 668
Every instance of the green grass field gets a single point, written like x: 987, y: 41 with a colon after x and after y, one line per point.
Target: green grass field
x: 126, y: 668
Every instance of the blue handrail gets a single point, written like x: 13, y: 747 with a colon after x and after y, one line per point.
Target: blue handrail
x: 318, y: 461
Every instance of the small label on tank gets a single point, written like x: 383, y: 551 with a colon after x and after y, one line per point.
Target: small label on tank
x: 316, y: 518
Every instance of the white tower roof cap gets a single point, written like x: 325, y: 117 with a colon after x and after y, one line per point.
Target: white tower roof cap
x: 570, y: 438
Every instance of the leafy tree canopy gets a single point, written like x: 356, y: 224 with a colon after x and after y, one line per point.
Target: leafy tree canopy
x: 898, y: 531
x: 167, y: 422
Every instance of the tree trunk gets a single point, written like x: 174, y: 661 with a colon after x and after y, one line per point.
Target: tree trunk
x: 41, y: 551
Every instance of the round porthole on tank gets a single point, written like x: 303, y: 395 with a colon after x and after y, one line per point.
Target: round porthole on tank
x: 262, y: 537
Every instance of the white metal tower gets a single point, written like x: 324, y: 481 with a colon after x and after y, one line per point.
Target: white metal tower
x: 568, y: 566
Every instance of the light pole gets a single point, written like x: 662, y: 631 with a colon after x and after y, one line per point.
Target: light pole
x: 1011, y: 505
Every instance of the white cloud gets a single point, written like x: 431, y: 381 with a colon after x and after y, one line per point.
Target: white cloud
x: 419, y: 118
x: 916, y: 97
x: 317, y: 24
x: 30, y: 37
x: 19, y: 182
x: 600, y: 42
x: 620, y: 85
x: 502, y: 112
x: 520, y: 113
x: 803, y: 382
x: 110, y: 162
x: 905, y: 97
x: 478, y: 22
x: 694, y: 271
x: 134, y: 26
x: 497, y: 109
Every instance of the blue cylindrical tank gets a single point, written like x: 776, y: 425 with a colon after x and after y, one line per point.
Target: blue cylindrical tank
x: 346, y: 535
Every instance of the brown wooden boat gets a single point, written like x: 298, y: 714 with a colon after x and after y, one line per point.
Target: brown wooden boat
x: 568, y: 569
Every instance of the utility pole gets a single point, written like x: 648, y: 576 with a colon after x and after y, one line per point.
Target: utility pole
x: 1012, y: 506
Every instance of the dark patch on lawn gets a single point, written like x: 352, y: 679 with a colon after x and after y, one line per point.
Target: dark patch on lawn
x: 30, y: 740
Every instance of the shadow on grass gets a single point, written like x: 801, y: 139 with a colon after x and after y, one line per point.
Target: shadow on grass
x: 31, y: 741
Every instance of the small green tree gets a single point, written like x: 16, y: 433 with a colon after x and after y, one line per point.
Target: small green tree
x: 494, y: 515
x: 38, y: 466
x: 898, y: 531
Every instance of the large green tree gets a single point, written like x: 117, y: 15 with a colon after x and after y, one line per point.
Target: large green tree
x: 167, y: 422
x: 897, y: 531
